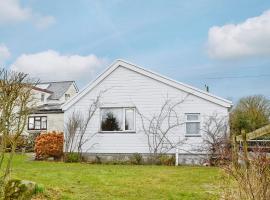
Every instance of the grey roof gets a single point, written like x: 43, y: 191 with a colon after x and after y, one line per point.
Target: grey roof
x: 48, y: 108
x: 58, y: 88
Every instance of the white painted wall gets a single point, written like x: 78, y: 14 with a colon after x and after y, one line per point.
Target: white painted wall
x: 128, y: 88
x: 71, y: 91
x: 55, y: 122
x: 37, y: 97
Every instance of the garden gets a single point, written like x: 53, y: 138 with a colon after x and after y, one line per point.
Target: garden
x: 236, y: 172
x: 105, y: 181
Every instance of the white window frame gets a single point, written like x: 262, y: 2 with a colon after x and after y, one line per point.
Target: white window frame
x: 192, y: 121
x: 123, y: 121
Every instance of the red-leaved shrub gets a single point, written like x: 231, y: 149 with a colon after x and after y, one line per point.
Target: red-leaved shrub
x: 49, y: 145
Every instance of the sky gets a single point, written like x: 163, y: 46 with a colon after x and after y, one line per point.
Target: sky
x: 224, y: 44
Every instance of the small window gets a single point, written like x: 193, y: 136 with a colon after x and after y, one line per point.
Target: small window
x: 67, y: 96
x: 117, y: 119
x: 37, y: 123
x: 193, y: 124
x: 42, y: 97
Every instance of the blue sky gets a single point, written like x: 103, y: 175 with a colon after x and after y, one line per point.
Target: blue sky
x: 174, y: 38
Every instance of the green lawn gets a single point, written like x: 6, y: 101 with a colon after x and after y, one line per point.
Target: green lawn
x: 88, y: 181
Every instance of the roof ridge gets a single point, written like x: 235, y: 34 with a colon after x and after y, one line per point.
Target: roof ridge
x: 56, y: 81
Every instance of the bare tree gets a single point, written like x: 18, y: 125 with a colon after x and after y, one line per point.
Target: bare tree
x: 76, y: 128
x: 71, y: 128
x: 16, y: 101
x: 249, y: 171
x: 215, y: 138
x: 160, y: 128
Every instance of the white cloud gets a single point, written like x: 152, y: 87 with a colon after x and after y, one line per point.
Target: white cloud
x: 12, y: 11
x: 248, y: 39
x: 51, y: 65
x: 4, y: 54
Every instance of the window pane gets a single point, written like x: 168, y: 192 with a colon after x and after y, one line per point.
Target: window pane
x: 42, y: 97
x: 112, y: 119
x: 67, y: 96
x: 44, y: 123
x: 193, y: 128
x: 192, y: 117
x: 31, y: 123
x: 129, y: 120
x: 37, y: 125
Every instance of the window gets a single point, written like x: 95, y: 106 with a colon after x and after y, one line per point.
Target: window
x: 67, y: 96
x: 129, y: 119
x: 42, y: 97
x: 117, y: 119
x: 37, y: 123
x: 193, y: 124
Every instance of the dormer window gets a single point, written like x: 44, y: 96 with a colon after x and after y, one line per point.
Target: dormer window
x: 42, y: 97
x: 67, y: 96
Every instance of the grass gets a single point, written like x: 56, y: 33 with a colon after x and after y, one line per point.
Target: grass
x: 89, y: 181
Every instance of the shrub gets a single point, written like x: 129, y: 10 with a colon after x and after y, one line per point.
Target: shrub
x: 166, y: 160
x: 49, y: 145
x: 31, y: 138
x: 249, y: 179
x: 72, y: 157
x: 19, y: 189
x: 21, y: 143
x: 136, y: 159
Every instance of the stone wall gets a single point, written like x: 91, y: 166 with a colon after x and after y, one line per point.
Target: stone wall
x: 184, y: 159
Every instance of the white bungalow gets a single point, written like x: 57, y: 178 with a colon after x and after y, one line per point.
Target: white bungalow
x: 130, y: 88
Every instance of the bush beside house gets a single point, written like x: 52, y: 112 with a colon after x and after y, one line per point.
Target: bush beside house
x: 49, y: 145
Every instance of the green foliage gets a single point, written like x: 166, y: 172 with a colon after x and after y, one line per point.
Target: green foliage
x: 136, y: 159
x: 16, y: 189
x: 39, y: 189
x: 249, y: 114
x: 72, y: 157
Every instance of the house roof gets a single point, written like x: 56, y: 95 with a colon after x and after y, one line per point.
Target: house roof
x: 48, y: 108
x: 58, y: 89
x: 181, y: 86
x: 41, y: 89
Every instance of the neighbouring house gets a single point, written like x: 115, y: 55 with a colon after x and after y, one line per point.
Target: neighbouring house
x: 47, y: 115
x: 129, y: 89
